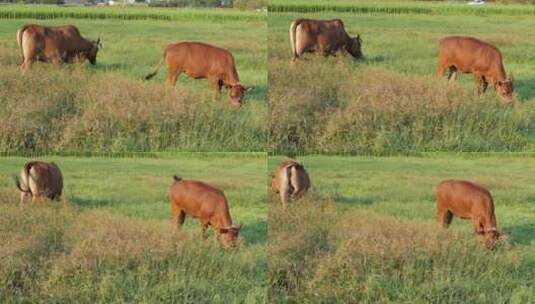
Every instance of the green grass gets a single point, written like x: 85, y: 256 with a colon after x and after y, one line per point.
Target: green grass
x: 111, y: 240
x: 145, y: 116
x: 367, y: 233
x: 392, y: 102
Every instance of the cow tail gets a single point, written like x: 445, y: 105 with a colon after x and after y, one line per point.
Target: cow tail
x: 27, y: 169
x: 17, y: 183
x: 177, y: 178
x: 293, y: 34
x: 148, y: 77
x: 19, y: 41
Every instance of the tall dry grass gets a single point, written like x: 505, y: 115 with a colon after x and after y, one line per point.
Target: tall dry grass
x: 71, y: 108
x: 337, y: 106
x: 321, y: 253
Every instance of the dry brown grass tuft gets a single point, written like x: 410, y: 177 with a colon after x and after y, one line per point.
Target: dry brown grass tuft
x: 70, y: 108
x: 320, y: 105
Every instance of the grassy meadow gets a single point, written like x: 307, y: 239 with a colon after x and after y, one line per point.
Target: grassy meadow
x: 108, y: 107
x: 392, y: 101
x: 367, y: 233
x: 110, y: 239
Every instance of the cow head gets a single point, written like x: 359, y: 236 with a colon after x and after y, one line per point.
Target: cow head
x: 353, y: 47
x: 231, y: 235
x: 236, y: 93
x: 91, y: 55
x: 491, y: 238
x: 505, y: 88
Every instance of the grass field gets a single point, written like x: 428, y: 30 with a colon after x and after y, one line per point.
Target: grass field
x: 367, y: 233
x: 111, y: 240
x: 391, y: 102
x: 108, y: 107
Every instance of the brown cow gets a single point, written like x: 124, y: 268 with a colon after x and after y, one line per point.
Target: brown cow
x: 203, y: 61
x: 470, y: 55
x: 325, y: 37
x: 290, y: 180
x: 56, y: 44
x: 40, y: 180
x: 467, y: 201
x: 202, y: 201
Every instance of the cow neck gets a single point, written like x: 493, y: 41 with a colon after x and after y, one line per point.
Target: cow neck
x: 232, y: 78
x: 501, y: 75
x: 224, y: 216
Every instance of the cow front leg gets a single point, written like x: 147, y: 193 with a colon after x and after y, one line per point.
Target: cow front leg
x: 479, y: 227
x: 216, y: 86
x: 485, y: 84
x: 204, y: 227
x: 479, y: 83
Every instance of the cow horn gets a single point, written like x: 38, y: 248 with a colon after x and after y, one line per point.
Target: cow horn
x: 237, y: 227
x: 98, y: 42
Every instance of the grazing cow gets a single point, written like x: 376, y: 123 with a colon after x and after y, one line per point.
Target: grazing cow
x: 325, y: 37
x: 40, y: 180
x: 290, y: 181
x: 56, y: 44
x: 203, y: 61
x: 470, y: 55
x: 205, y: 203
x: 467, y: 201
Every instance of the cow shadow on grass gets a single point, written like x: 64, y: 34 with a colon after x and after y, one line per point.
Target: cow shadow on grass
x: 355, y: 200
x: 255, y: 233
x: 374, y: 59
x: 259, y: 92
x: 90, y: 202
x: 523, y: 234
x: 524, y: 88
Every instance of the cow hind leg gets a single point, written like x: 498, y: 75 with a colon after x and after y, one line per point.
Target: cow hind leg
x: 23, y: 197
x: 178, y: 216
x: 445, y: 217
x: 452, y: 76
x: 172, y: 76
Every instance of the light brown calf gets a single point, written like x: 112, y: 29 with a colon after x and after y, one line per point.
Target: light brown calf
x: 40, y: 180
x: 467, y: 201
x: 204, y: 202
x: 290, y: 180
x: 483, y: 60
x: 203, y: 61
